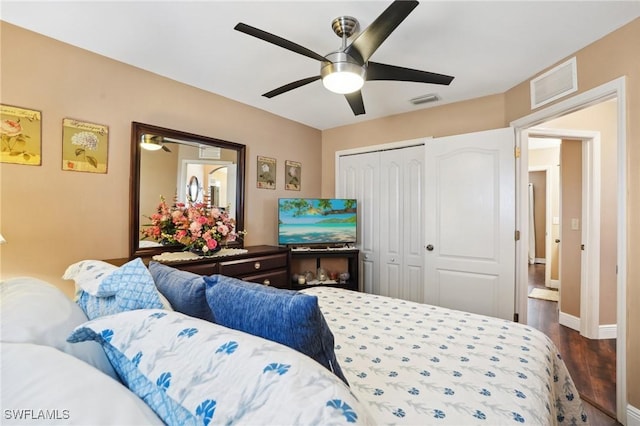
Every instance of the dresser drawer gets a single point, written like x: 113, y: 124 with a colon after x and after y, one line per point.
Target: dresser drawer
x: 198, y: 268
x: 278, y: 278
x: 253, y: 265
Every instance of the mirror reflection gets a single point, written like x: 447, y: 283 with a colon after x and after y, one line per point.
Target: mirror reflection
x: 181, y: 168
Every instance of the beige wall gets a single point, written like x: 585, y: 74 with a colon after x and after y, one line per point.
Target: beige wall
x: 539, y: 182
x: 571, y: 238
x: 52, y: 218
x: 611, y: 57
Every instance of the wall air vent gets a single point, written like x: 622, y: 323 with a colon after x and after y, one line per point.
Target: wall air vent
x: 554, y: 84
x: 209, y: 152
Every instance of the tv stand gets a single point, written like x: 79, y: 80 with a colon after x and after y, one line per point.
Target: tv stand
x: 334, y: 260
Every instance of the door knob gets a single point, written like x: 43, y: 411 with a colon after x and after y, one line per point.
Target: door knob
x: 430, y: 247
x: 557, y: 240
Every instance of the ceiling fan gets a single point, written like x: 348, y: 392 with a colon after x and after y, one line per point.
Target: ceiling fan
x: 345, y: 70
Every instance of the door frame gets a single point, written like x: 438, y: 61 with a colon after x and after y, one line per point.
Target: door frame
x: 588, y: 324
x: 613, y: 89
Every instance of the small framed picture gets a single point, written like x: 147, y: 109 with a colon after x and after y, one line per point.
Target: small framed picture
x: 21, y: 132
x: 266, y: 177
x: 85, y: 146
x: 293, y: 175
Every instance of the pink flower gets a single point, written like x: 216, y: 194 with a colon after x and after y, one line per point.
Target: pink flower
x: 212, y: 244
x: 10, y: 128
x: 223, y: 229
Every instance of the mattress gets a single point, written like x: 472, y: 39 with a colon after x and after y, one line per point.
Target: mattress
x: 412, y: 363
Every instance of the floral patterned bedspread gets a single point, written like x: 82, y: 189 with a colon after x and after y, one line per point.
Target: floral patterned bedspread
x: 412, y: 363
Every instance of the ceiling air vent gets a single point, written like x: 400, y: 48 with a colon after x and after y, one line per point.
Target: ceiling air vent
x: 554, y: 84
x: 431, y: 97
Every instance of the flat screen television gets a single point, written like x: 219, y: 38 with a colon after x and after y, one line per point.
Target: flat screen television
x: 316, y: 221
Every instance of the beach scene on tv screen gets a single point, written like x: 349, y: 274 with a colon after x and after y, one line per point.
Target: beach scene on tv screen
x: 316, y: 221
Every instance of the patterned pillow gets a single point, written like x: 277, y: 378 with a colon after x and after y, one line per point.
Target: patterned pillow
x: 88, y: 275
x: 191, y: 371
x: 184, y: 290
x: 284, y: 316
x: 128, y: 287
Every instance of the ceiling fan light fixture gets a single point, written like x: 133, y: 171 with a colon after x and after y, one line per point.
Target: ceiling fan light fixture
x: 343, y: 77
x: 150, y: 143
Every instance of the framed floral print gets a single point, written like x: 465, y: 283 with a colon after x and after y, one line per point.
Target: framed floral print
x: 266, y: 177
x: 85, y: 146
x: 21, y: 132
x: 293, y: 175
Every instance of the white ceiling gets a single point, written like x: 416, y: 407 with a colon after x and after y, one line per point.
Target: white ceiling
x: 488, y: 46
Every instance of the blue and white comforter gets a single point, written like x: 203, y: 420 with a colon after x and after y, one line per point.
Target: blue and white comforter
x: 412, y: 363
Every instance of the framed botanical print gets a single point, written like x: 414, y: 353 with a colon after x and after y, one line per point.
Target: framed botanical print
x: 293, y: 175
x: 266, y: 173
x: 85, y: 146
x: 21, y: 132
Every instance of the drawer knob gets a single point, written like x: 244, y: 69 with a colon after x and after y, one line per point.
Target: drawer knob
x: 266, y: 282
x: 256, y: 265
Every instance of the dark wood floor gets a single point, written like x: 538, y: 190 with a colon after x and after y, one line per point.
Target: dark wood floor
x: 591, y: 363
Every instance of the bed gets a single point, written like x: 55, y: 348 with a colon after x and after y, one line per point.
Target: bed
x: 412, y: 363
x: 169, y: 346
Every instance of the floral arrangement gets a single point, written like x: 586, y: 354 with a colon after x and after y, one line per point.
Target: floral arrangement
x: 198, y: 227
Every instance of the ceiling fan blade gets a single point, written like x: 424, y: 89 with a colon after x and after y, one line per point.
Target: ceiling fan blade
x: 355, y: 102
x: 372, y: 37
x: 164, y: 148
x: 294, y: 85
x: 378, y: 71
x: 278, y: 41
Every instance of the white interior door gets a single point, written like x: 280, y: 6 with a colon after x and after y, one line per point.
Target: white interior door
x: 470, y: 222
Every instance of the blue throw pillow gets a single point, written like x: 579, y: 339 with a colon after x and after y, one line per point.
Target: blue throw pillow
x: 284, y: 316
x: 127, y: 288
x: 184, y: 290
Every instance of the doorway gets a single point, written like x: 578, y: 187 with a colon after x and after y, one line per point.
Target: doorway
x: 614, y: 90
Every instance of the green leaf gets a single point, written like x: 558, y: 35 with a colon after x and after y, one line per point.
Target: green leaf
x: 92, y: 161
x: 79, y: 151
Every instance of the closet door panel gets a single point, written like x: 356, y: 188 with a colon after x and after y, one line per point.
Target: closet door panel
x: 391, y: 222
x: 358, y: 178
x: 413, y: 218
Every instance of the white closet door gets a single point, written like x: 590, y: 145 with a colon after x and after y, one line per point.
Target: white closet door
x: 401, y: 224
x: 358, y: 177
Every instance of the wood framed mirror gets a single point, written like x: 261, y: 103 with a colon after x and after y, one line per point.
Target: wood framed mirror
x: 170, y: 163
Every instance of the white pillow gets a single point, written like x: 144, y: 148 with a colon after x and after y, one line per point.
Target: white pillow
x: 191, y: 371
x: 99, y: 279
x: 88, y: 275
x: 34, y: 311
x: 41, y: 385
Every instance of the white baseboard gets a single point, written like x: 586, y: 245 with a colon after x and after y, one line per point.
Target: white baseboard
x: 569, y: 321
x: 608, y: 331
x: 633, y: 416
x: 540, y: 260
x: 554, y: 284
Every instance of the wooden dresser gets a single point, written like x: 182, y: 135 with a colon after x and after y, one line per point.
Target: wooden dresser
x: 268, y: 265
